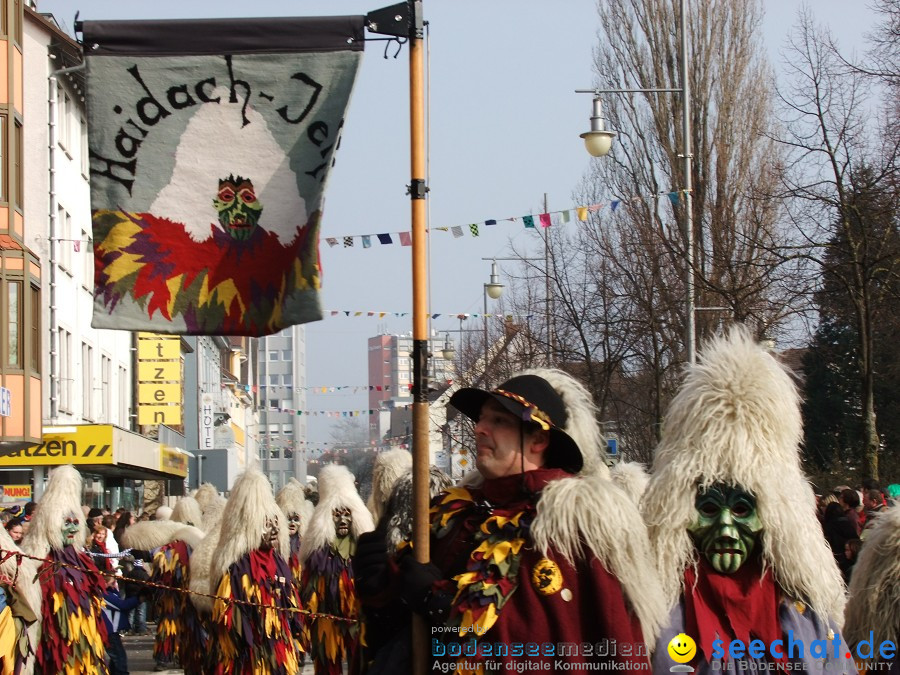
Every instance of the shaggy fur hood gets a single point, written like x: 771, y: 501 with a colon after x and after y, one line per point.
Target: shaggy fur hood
x: 736, y: 420
x: 187, y: 512
x: 292, y: 499
x: 589, y: 516
x: 389, y: 467
x: 148, y: 535
x: 61, y: 498
x: 337, y: 489
x: 874, y: 603
x: 244, y: 520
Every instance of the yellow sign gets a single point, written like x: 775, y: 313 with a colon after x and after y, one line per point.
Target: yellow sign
x: 163, y: 349
x: 16, y: 493
x: 158, y: 393
x: 173, y: 461
x: 87, y: 444
x: 160, y: 371
x: 159, y: 414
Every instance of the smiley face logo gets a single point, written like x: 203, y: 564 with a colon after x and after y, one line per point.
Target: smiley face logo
x: 682, y: 648
x: 547, y: 577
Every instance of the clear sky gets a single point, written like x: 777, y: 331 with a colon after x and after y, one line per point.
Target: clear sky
x: 504, y: 125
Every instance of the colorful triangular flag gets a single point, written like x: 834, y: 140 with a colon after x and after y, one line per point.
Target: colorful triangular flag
x: 545, y: 220
x: 367, y: 241
x: 565, y: 216
x: 385, y: 239
x: 405, y: 239
x: 528, y: 220
x: 473, y: 228
x: 581, y: 212
x: 331, y: 241
x: 348, y: 242
x: 457, y: 231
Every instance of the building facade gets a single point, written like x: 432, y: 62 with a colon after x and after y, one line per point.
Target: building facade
x: 281, y: 393
x: 21, y: 283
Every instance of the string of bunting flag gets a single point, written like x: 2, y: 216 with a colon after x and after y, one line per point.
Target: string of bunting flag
x: 379, y: 314
x: 544, y: 220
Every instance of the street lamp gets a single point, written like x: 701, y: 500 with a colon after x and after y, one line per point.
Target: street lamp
x: 598, y: 141
x: 492, y: 289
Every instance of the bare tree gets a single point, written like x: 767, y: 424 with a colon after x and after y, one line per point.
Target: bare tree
x: 841, y: 164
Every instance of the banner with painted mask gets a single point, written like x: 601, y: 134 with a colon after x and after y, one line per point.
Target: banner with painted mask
x: 210, y: 143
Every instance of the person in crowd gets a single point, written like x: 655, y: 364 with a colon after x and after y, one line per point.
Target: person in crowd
x: 851, y: 555
x: 849, y: 501
x: 73, y: 633
x: 115, y: 615
x: 328, y: 583
x: 873, y: 503
x: 28, y: 512
x: 96, y: 545
x: 20, y: 609
x: 387, y: 629
x: 260, y: 632
x: 531, y: 549
x: 872, y: 618
x: 15, y: 530
x: 732, y: 519
x: 838, y: 530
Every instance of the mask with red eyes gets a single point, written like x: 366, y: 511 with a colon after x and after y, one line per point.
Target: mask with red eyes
x: 726, y: 526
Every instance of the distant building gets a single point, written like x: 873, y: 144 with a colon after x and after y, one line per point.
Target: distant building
x: 281, y: 393
x: 390, y: 384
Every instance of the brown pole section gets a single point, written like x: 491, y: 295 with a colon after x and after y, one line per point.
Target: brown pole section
x: 420, y: 450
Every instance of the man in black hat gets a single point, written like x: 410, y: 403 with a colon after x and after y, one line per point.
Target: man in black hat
x: 539, y: 563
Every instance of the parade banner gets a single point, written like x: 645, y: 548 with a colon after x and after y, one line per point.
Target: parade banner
x: 210, y: 143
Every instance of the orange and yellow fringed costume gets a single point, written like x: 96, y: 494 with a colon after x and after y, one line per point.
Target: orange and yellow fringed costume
x: 329, y: 588
x: 73, y: 638
x: 179, y: 634
x: 260, y: 638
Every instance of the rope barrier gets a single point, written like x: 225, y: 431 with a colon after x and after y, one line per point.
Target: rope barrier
x: 57, y: 564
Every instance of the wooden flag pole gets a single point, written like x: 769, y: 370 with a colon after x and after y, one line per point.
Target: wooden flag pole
x: 418, y: 189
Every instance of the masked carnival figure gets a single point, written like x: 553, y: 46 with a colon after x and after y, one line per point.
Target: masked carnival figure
x: 872, y: 619
x: 73, y: 636
x: 733, y: 521
x: 256, y: 621
x: 328, y: 585
x: 291, y: 499
x: 20, y: 606
x: 179, y: 635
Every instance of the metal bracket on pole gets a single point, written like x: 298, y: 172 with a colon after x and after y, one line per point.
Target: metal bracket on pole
x: 401, y: 20
x: 417, y: 189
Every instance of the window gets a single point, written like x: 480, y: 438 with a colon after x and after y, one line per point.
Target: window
x: 17, y: 20
x: 64, y: 105
x: 288, y: 453
x: 287, y: 429
x: 274, y: 453
x: 65, y: 370
x: 274, y: 429
x: 287, y: 354
x: 87, y: 380
x: 287, y: 403
x: 273, y: 403
x: 20, y: 153
x: 274, y: 355
x: 64, y: 237
x: 273, y: 380
x: 14, y: 323
x: 4, y: 153
x: 287, y: 380
x: 87, y: 260
x: 85, y: 154
x: 3, y: 26
x: 122, y: 398
x: 36, y: 329
x: 105, y: 394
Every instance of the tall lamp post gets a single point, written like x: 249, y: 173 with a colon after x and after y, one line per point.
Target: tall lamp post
x: 598, y: 141
x: 493, y: 289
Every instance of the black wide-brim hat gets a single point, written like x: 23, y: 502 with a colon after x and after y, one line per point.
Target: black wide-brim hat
x: 531, y: 399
